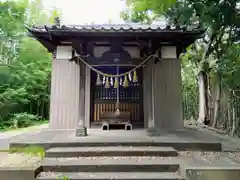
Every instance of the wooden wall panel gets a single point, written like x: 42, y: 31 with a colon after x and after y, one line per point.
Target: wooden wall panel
x: 133, y: 108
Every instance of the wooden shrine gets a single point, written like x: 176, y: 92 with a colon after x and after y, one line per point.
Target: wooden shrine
x: 127, y: 73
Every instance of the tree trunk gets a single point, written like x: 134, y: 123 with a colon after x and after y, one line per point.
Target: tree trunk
x: 234, y: 114
x: 233, y: 121
x: 216, y: 104
x: 229, y: 125
x: 203, y: 98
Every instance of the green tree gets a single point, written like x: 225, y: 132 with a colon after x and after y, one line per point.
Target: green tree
x: 208, y: 55
x: 25, y: 76
x: 11, y: 29
x: 145, y: 10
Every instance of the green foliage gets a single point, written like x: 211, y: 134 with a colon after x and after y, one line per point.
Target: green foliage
x: 23, y: 120
x: 229, y: 68
x: 216, y: 55
x: 146, y: 10
x: 11, y: 28
x: 25, y: 65
x: 30, y: 150
x: 63, y: 177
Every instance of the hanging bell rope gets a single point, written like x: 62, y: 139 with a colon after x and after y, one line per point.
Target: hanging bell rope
x: 114, y: 75
x: 117, y: 112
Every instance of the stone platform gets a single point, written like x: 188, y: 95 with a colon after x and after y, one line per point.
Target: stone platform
x: 19, y: 166
x: 185, y: 139
x: 133, y: 155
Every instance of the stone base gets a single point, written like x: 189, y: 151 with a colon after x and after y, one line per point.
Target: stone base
x: 81, y: 131
x: 210, y: 173
x: 153, y: 131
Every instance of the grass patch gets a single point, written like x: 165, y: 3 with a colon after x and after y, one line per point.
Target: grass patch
x: 29, y: 150
x: 63, y: 178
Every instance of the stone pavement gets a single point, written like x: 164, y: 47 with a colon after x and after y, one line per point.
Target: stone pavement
x: 187, y: 135
x: 69, y: 160
x: 6, y: 136
x: 46, y: 135
x: 18, y: 160
x: 19, y: 166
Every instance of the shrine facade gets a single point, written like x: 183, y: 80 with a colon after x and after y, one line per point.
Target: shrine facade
x: 130, y: 68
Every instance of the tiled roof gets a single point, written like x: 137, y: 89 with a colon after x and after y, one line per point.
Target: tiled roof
x: 116, y: 28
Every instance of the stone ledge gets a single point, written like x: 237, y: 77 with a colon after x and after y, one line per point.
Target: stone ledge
x: 19, y: 166
x: 111, y: 151
x: 212, y: 173
x: 111, y: 164
x: 14, y: 173
x: 211, y: 166
x: 110, y: 175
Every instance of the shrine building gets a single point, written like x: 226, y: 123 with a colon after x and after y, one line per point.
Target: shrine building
x: 116, y: 73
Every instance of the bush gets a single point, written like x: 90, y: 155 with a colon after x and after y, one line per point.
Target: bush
x: 23, y: 120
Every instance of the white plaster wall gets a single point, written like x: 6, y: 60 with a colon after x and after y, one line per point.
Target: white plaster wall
x: 169, y: 52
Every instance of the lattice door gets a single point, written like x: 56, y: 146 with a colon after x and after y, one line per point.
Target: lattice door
x: 104, y: 99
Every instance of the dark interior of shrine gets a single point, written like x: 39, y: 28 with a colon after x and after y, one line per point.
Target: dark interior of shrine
x: 105, y: 99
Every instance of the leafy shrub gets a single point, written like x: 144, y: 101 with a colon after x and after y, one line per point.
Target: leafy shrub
x: 23, y: 120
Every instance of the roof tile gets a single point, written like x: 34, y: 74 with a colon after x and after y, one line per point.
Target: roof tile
x: 115, y: 28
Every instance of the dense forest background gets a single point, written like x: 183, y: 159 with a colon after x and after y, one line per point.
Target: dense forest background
x: 25, y: 65
x: 210, y: 67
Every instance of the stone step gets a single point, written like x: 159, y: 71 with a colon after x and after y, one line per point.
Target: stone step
x: 111, y: 151
x: 177, y: 144
x: 112, y: 175
x: 111, y: 164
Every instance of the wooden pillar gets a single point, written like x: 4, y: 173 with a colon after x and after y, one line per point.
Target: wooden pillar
x: 64, y: 99
x: 145, y: 95
x: 151, y: 95
x: 147, y: 89
x: 87, y: 96
x: 81, y: 128
x: 167, y: 95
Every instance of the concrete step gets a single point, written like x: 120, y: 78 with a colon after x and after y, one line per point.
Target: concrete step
x: 111, y: 164
x: 111, y: 151
x: 112, y: 175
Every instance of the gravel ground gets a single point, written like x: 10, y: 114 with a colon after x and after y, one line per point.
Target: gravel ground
x: 212, y: 155
x: 183, y: 154
x: 116, y: 158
